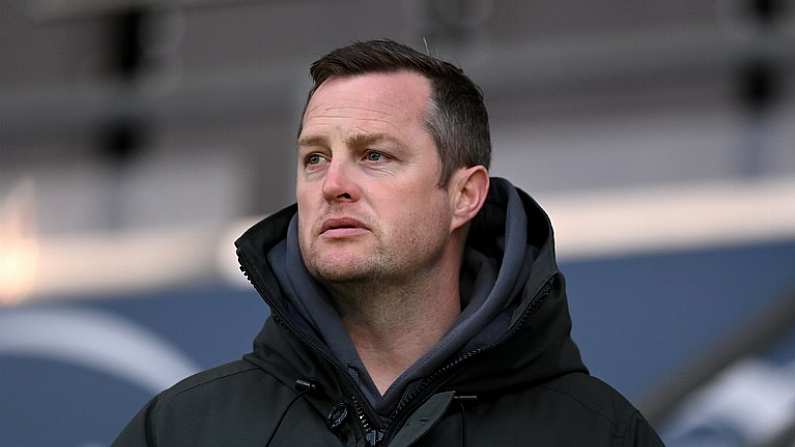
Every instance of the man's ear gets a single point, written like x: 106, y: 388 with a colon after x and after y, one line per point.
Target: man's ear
x: 469, y: 188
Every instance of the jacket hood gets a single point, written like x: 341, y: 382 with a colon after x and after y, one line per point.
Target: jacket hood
x: 517, y: 325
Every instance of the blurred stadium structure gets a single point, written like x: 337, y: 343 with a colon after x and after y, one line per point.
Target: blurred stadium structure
x: 139, y: 138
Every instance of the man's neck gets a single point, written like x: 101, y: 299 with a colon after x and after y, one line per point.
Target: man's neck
x: 394, y: 323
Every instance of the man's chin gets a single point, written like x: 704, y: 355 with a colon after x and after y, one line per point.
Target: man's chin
x: 338, y: 274
x: 343, y: 270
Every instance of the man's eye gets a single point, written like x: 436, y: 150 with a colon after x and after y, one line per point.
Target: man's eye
x: 374, y: 156
x: 312, y: 159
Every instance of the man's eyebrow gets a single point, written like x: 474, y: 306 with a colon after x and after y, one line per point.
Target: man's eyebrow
x: 360, y: 140
x: 357, y: 140
x: 312, y: 140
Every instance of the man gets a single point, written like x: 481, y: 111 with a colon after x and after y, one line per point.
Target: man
x: 414, y: 300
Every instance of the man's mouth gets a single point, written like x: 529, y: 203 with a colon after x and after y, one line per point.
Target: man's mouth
x: 342, y: 227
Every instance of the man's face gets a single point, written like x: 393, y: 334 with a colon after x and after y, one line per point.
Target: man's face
x: 369, y: 204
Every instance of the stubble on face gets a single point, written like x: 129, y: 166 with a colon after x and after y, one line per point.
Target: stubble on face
x: 331, y: 261
x: 393, y: 257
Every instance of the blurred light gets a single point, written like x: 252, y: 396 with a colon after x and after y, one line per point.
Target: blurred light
x: 18, y: 259
x: 121, y: 262
x: 671, y: 217
x: 18, y: 247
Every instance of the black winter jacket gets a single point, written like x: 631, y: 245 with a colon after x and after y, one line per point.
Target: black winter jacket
x: 527, y: 386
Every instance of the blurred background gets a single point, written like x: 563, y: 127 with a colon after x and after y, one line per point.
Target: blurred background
x: 138, y: 139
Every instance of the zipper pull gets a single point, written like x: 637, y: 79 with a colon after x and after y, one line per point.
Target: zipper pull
x: 337, y: 416
x: 374, y: 437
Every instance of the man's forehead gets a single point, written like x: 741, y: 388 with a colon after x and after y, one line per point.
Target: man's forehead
x: 401, y: 89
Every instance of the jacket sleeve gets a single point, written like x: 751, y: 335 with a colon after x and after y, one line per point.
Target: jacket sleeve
x: 138, y: 432
x: 642, y: 434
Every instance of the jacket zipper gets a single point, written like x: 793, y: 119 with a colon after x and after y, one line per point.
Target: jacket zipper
x: 372, y: 435
x: 371, y: 432
x: 438, y: 376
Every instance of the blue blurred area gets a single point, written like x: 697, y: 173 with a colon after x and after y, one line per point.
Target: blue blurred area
x: 636, y: 320
x: 639, y: 318
x: 49, y: 402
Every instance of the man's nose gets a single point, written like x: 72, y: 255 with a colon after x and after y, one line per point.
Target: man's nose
x: 338, y: 184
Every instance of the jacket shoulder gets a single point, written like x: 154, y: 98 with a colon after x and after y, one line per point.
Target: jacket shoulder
x: 230, y: 402
x: 593, y: 395
x: 603, y: 402
x: 220, y: 376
